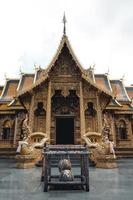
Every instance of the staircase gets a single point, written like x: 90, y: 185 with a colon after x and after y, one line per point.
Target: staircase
x: 124, y: 152
x: 7, y: 152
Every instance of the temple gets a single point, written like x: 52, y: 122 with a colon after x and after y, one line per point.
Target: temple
x: 66, y: 101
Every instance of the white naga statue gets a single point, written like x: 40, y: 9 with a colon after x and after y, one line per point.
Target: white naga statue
x: 106, y: 133
x: 100, y: 145
x: 26, y: 146
x: 111, y: 146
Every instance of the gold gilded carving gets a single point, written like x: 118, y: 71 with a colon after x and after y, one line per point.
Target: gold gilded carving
x: 65, y: 64
x: 62, y: 104
x: 48, y: 113
x: 82, y: 114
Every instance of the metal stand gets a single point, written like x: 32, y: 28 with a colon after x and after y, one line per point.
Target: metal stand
x: 57, y: 152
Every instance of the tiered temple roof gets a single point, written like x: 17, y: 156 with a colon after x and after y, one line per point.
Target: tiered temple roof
x: 121, y: 95
x: 103, y: 81
x: 9, y: 90
x: 1, y: 88
x: 38, y: 74
x: 130, y: 91
x: 26, y: 80
x: 120, y: 91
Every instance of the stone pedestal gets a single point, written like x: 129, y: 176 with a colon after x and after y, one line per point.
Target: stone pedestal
x: 106, y: 162
x: 25, y: 161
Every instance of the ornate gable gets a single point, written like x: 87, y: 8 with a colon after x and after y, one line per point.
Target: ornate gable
x: 65, y: 64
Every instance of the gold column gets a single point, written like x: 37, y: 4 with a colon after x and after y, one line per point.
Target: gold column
x: 48, y: 111
x: 99, y: 114
x: 15, y: 131
x: 82, y: 115
x: 31, y: 113
x: 113, y: 128
x: 130, y: 132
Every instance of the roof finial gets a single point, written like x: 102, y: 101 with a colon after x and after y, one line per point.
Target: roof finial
x: 36, y: 66
x: 93, y: 66
x: 123, y: 77
x: 5, y: 75
x: 64, y: 22
x: 108, y: 72
x: 20, y: 70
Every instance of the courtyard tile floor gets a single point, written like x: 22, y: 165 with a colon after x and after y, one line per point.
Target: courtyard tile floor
x: 105, y: 184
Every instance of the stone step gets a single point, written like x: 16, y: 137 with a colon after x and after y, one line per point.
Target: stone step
x: 7, y: 152
x: 8, y: 149
x: 124, y: 152
x: 124, y: 149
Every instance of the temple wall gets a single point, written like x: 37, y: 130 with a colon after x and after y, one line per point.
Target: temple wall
x: 90, y: 108
x: 123, y: 126
x: 7, y: 123
x: 38, y: 110
x: 20, y: 116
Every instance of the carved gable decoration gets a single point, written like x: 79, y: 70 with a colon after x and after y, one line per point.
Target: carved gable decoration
x: 65, y: 64
x: 65, y: 105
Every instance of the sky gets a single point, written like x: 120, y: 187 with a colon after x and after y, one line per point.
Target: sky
x: 100, y: 32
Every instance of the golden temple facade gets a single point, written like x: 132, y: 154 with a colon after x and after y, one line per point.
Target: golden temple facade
x: 66, y: 101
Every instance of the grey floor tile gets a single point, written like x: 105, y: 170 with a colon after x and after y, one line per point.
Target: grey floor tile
x: 105, y: 184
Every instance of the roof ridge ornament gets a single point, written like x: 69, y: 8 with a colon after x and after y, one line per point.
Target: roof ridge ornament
x: 20, y: 70
x: 108, y: 72
x: 92, y: 66
x: 122, y: 78
x: 64, y: 21
x: 37, y: 66
x: 5, y: 75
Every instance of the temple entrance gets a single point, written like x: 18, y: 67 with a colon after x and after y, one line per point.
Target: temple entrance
x: 64, y: 130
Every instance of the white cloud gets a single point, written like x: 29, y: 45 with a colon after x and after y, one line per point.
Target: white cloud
x: 100, y: 31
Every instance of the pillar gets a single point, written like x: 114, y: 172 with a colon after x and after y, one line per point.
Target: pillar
x: 99, y: 114
x: 130, y: 131
x: 48, y: 111
x: 82, y: 114
x: 31, y: 114
x: 16, y: 130
x: 113, y: 129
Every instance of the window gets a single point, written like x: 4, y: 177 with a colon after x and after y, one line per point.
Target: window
x: 90, y: 109
x: 6, y: 130
x: 40, y: 110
